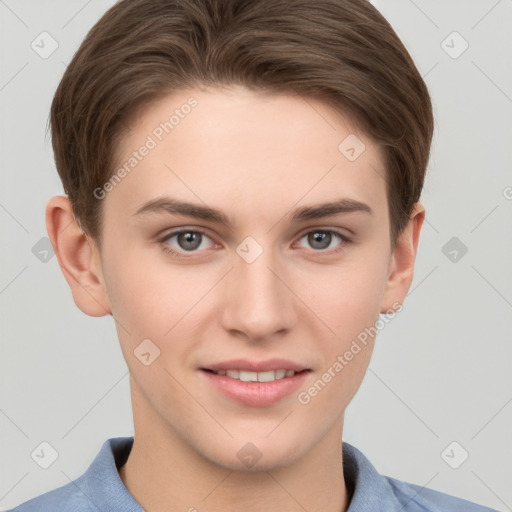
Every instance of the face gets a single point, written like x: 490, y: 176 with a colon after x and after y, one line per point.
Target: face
x: 223, y: 266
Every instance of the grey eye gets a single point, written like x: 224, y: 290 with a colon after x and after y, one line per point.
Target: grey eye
x: 189, y: 240
x: 319, y: 239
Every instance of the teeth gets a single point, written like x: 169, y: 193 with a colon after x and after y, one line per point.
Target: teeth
x: 246, y: 376
x: 266, y: 376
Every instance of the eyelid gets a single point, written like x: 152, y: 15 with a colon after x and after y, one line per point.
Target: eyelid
x: 344, y: 241
x: 337, y: 231
x: 176, y: 231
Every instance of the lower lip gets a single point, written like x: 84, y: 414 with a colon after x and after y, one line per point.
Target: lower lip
x: 256, y: 393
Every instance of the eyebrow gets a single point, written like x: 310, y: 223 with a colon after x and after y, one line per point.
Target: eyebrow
x: 176, y: 207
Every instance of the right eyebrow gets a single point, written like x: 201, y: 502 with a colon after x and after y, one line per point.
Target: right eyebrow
x: 176, y: 207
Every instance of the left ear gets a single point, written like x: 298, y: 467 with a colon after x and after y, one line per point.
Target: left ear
x: 401, y: 266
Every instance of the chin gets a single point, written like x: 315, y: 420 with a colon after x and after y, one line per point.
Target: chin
x: 256, y: 456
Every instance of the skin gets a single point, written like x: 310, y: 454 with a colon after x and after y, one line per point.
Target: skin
x: 257, y: 158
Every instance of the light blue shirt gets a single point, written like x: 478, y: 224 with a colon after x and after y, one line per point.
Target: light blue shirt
x: 100, y: 489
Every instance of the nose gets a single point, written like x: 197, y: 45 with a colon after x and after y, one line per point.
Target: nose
x: 258, y: 302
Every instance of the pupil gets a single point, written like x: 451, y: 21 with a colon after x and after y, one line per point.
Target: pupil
x: 189, y: 240
x: 320, y: 237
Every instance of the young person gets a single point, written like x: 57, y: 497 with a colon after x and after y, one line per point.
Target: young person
x: 243, y: 182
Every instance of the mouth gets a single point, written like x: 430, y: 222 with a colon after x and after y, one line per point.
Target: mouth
x: 256, y: 383
x: 249, y: 376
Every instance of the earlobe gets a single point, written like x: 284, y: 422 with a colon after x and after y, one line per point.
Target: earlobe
x: 402, y: 261
x: 78, y: 258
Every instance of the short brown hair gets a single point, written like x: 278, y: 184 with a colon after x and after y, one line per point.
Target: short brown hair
x: 341, y: 51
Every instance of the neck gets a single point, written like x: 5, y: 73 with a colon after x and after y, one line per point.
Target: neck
x: 163, y: 472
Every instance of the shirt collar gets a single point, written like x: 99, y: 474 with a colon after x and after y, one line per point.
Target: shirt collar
x: 371, y: 492
x: 101, y: 482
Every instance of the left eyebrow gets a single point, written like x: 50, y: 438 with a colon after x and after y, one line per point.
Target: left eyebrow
x: 328, y: 209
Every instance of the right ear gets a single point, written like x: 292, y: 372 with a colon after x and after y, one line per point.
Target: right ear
x: 78, y: 257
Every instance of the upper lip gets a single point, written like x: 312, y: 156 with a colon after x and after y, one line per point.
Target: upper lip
x: 256, y: 366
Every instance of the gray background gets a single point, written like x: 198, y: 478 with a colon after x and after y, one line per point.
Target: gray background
x: 441, y: 369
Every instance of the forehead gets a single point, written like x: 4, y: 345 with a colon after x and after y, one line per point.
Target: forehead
x: 245, y: 150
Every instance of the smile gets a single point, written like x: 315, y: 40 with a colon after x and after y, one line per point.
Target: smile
x: 248, y: 376
x: 256, y: 384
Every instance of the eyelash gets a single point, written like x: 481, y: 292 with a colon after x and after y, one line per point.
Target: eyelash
x: 183, y: 254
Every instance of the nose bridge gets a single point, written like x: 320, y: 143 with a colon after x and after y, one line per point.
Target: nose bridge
x: 257, y: 303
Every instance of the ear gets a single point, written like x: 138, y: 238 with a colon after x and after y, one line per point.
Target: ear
x: 78, y: 257
x: 401, y: 267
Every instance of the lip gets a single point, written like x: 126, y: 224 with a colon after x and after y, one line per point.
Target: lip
x: 256, y: 366
x: 256, y: 394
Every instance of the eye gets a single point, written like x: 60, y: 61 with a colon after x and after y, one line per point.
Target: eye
x: 186, y: 240
x: 183, y: 241
x: 321, y: 239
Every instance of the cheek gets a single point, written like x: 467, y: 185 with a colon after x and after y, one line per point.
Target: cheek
x: 349, y: 297
x: 160, y: 302
x: 350, y: 307
x: 143, y: 299
x: 140, y: 285
x: 349, y: 301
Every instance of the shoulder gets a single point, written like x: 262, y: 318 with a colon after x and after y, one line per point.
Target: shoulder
x: 416, y: 498
x: 373, y: 492
x: 68, y: 497
x: 99, y: 488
